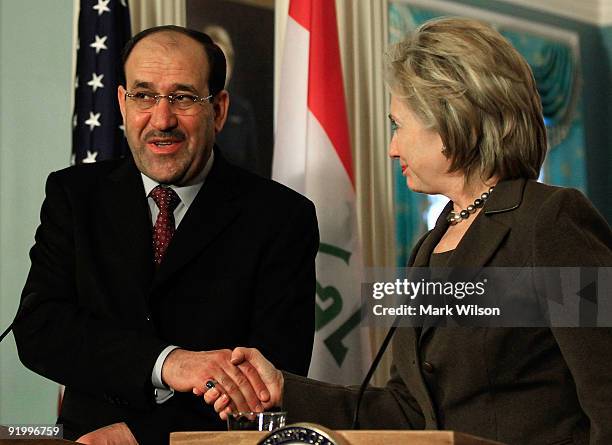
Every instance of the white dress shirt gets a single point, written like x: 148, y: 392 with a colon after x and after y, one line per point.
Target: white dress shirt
x: 187, y: 195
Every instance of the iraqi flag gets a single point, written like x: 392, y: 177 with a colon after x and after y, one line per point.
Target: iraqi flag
x: 312, y: 155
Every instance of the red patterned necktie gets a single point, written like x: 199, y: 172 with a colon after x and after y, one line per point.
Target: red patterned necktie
x: 163, y: 230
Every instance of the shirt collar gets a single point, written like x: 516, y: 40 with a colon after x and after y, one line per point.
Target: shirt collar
x: 186, y: 193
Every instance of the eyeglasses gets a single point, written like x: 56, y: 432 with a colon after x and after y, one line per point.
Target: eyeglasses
x: 179, y: 103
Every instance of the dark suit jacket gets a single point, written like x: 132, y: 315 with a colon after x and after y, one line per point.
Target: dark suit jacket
x: 239, y: 271
x: 515, y: 385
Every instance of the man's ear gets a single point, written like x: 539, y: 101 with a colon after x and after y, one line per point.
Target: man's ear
x: 220, y: 106
x: 121, y: 99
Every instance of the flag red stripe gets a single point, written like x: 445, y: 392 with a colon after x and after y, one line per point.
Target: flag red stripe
x: 325, y: 84
x: 299, y: 10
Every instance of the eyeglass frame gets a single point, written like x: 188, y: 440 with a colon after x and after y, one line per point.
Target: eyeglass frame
x: 170, y: 97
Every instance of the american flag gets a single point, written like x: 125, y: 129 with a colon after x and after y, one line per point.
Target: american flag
x: 97, y: 127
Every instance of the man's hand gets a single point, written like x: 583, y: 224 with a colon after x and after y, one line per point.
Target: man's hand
x: 115, y: 434
x: 186, y: 371
x: 255, y: 367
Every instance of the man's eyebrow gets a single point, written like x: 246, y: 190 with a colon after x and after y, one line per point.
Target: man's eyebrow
x: 176, y: 87
x: 185, y: 87
x: 141, y: 84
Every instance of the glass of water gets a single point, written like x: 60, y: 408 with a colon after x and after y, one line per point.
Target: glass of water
x: 252, y: 421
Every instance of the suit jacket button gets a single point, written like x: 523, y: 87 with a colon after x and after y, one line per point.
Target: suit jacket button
x: 428, y: 367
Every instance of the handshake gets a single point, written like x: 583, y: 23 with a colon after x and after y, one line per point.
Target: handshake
x: 243, y: 379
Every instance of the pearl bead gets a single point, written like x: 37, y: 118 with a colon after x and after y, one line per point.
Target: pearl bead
x: 454, y: 218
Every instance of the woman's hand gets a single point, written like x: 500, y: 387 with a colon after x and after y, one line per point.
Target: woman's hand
x: 255, y: 368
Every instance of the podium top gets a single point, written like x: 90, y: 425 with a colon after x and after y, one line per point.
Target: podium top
x: 361, y: 437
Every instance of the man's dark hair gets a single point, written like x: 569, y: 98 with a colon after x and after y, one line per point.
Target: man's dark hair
x: 216, y: 58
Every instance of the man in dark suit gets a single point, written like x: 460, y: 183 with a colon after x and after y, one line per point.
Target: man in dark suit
x: 146, y: 270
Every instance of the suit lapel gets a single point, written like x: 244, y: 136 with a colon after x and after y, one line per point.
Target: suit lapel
x: 122, y: 199
x: 423, y: 249
x: 213, y: 209
x: 484, y: 236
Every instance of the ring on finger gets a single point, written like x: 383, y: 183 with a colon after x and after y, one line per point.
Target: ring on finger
x: 210, y: 384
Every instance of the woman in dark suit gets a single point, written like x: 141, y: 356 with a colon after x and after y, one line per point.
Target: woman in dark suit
x: 468, y: 124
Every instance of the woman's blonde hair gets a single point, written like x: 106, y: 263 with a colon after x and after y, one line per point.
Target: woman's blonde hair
x: 467, y: 82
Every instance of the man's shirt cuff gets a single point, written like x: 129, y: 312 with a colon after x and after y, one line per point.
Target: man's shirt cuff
x: 161, y: 391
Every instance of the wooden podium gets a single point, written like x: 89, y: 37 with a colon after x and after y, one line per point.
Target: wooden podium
x: 362, y: 437
x: 349, y: 437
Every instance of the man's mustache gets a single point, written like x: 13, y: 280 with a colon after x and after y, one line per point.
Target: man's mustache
x: 172, y: 134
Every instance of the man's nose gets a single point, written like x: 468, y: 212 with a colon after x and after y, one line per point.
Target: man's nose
x: 163, y: 116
